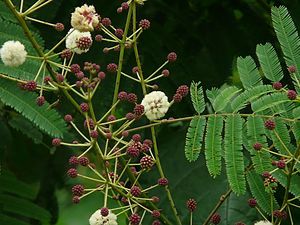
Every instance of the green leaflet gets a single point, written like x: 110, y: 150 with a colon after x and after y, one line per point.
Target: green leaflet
x: 233, y: 154
x: 256, y: 133
x: 281, y: 137
x: 224, y: 97
x: 4, y: 219
x: 288, y: 38
x: 16, y: 199
x: 272, y: 100
x: 294, y: 185
x: 250, y: 95
x: 197, y: 97
x: 269, y: 62
x: 213, y: 145
x: 46, y: 119
x: 24, y: 208
x: 26, y: 127
x: 248, y: 72
x: 257, y: 189
x: 194, y: 136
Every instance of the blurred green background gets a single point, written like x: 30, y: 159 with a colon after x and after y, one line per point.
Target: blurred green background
x: 207, y: 35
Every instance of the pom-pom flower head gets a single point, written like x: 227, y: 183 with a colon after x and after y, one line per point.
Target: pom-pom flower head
x: 97, y: 219
x: 84, y: 18
x: 73, y: 39
x: 155, y: 105
x: 13, y: 53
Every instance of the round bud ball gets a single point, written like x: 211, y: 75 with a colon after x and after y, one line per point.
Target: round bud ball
x: 216, y: 218
x: 72, y: 173
x: 270, y: 124
x: 101, y: 75
x: 84, y: 107
x: 59, y: 27
x: 112, y: 68
x: 163, y: 181
x: 104, y: 211
x: 172, y: 57
x: 106, y: 22
x: 191, y: 204
x: 40, y: 100
x: 144, y: 24
x: 257, y: 146
x: 165, y: 73
x: 292, y: 69
x: 277, y: 85
x: 291, y: 94
x: 84, y: 161
x: 98, y: 38
x: 56, y: 141
x: 252, y: 202
x: 122, y: 96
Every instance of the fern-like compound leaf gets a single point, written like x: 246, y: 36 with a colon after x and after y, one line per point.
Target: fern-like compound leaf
x: 289, y: 40
x: 281, y: 137
x: 294, y: 182
x: 256, y: 134
x: 249, y: 95
x: 234, y: 159
x: 270, y: 101
x: 248, y: 72
x: 223, y: 99
x: 46, y: 119
x: 197, y: 97
x: 269, y: 62
x: 258, y: 191
x: 194, y: 138
x: 213, y: 145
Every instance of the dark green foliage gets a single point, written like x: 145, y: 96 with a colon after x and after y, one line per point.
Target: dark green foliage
x: 234, y: 159
x: 269, y: 62
x: 248, y: 72
x: 197, y: 97
x: 17, y: 199
x: 213, y: 144
x: 194, y: 137
x: 257, y: 189
x: 46, y: 119
x: 288, y: 38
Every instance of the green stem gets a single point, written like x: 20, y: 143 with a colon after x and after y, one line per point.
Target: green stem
x: 222, y: 199
x: 121, y: 57
x: 38, y: 49
x: 143, y: 84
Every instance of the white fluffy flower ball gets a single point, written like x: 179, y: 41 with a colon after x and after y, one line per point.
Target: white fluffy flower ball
x: 156, y: 105
x: 13, y: 53
x: 97, y: 219
x: 73, y: 38
x: 263, y: 222
x: 84, y: 18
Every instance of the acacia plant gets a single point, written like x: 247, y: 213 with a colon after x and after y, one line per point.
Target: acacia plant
x: 254, y: 128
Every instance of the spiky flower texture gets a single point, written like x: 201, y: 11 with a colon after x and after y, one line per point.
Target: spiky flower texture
x: 13, y: 53
x: 97, y: 219
x: 156, y: 105
x: 73, y: 39
x: 84, y: 18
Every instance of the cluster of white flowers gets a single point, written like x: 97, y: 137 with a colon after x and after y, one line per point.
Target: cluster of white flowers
x: 155, y: 105
x: 98, y: 219
x: 72, y: 39
x: 13, y: 53
x: 84, y: 18
x: 263, y: 222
